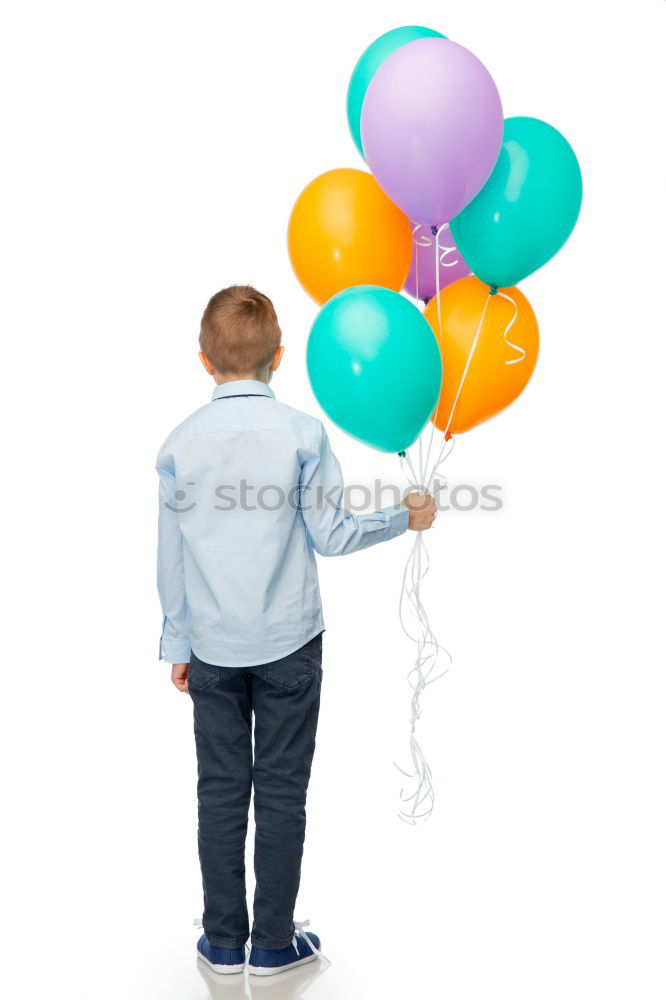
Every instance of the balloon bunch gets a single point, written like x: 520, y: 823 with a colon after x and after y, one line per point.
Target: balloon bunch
x: 461, y: 204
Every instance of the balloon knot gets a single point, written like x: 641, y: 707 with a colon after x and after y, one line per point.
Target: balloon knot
x: 401, y: 454
x: 493, y: 290
x: 433, y: 230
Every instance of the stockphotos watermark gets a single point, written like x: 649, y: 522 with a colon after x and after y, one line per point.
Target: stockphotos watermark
x: 358, y: 498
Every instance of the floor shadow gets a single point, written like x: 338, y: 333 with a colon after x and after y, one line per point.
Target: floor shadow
x: 291, y: 985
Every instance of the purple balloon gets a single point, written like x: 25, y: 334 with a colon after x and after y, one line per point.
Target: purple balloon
x: 432, y: 128
x: 422, y: 280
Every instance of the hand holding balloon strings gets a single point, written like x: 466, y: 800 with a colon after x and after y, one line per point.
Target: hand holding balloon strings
x: 417, y: 805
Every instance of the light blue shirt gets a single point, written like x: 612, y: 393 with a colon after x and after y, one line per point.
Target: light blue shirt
x: 249, y: 491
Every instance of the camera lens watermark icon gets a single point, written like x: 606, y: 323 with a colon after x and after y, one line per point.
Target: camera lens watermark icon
x: 179, y: 496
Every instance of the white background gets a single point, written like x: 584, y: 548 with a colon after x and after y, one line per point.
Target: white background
x: 153, y: 152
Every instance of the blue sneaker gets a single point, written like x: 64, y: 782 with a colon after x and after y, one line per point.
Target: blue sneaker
x: 268, y: 963
x: 226, y: 961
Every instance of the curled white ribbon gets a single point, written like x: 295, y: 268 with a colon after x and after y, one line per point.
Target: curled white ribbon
x: 422, y: 237
x: 522, y: 354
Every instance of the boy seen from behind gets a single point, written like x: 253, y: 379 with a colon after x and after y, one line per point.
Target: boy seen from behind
x: 249, y: 492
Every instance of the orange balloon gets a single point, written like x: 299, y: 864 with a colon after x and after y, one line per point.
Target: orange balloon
x: 344, y: 231
x: 489, y: 346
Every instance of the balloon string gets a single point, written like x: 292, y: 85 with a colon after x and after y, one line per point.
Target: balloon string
x: 446, y: 251
x: 417, y: 243
x: 436, y: 233
x: 512, y: 361
x: 437, y: 288
x: 467, y: 363
x: 412, y: 478
x: 444, y: 453
x: 520, y: 350
x: 417, y: 801
x: 416, y: 262
x: 448, y: 444
x: 417, y: 804
x: 419, y: 239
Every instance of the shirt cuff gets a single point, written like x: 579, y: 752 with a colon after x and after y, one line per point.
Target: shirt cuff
x: 178, y: 651
x: 398, y: 518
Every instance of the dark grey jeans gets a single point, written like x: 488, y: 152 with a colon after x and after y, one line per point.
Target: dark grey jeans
x: 283, y: 696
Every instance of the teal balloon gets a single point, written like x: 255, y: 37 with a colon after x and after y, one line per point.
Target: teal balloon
x: 528, y: 207
x: 368, y: 65
x: 374, y: 366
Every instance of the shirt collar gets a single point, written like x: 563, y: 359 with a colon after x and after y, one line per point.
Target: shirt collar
x: 243, y: 387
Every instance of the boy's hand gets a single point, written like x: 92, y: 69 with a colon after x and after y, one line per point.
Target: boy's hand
x: 179, y: 676
x: 422, y: 511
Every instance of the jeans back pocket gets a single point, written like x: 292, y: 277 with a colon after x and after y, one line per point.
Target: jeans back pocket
x: 295, y: 670
x: 201, y: 676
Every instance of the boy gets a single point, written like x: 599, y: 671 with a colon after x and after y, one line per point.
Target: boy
x: 249, y: 490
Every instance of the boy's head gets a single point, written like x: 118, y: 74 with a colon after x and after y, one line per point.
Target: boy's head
x: 240, y: 336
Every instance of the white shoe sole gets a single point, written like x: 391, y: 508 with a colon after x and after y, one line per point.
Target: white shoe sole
x: 221, y: 970
x: 263, y: 970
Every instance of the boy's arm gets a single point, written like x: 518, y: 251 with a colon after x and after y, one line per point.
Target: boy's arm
x: 175, y: 643
x: 335, y: 531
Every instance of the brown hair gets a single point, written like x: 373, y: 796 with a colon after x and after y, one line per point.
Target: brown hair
x: 239, y: 331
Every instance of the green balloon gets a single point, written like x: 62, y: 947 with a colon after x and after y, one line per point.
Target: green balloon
x: 528, y: 207
x: 375, y: 366
x: 368, y: 65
